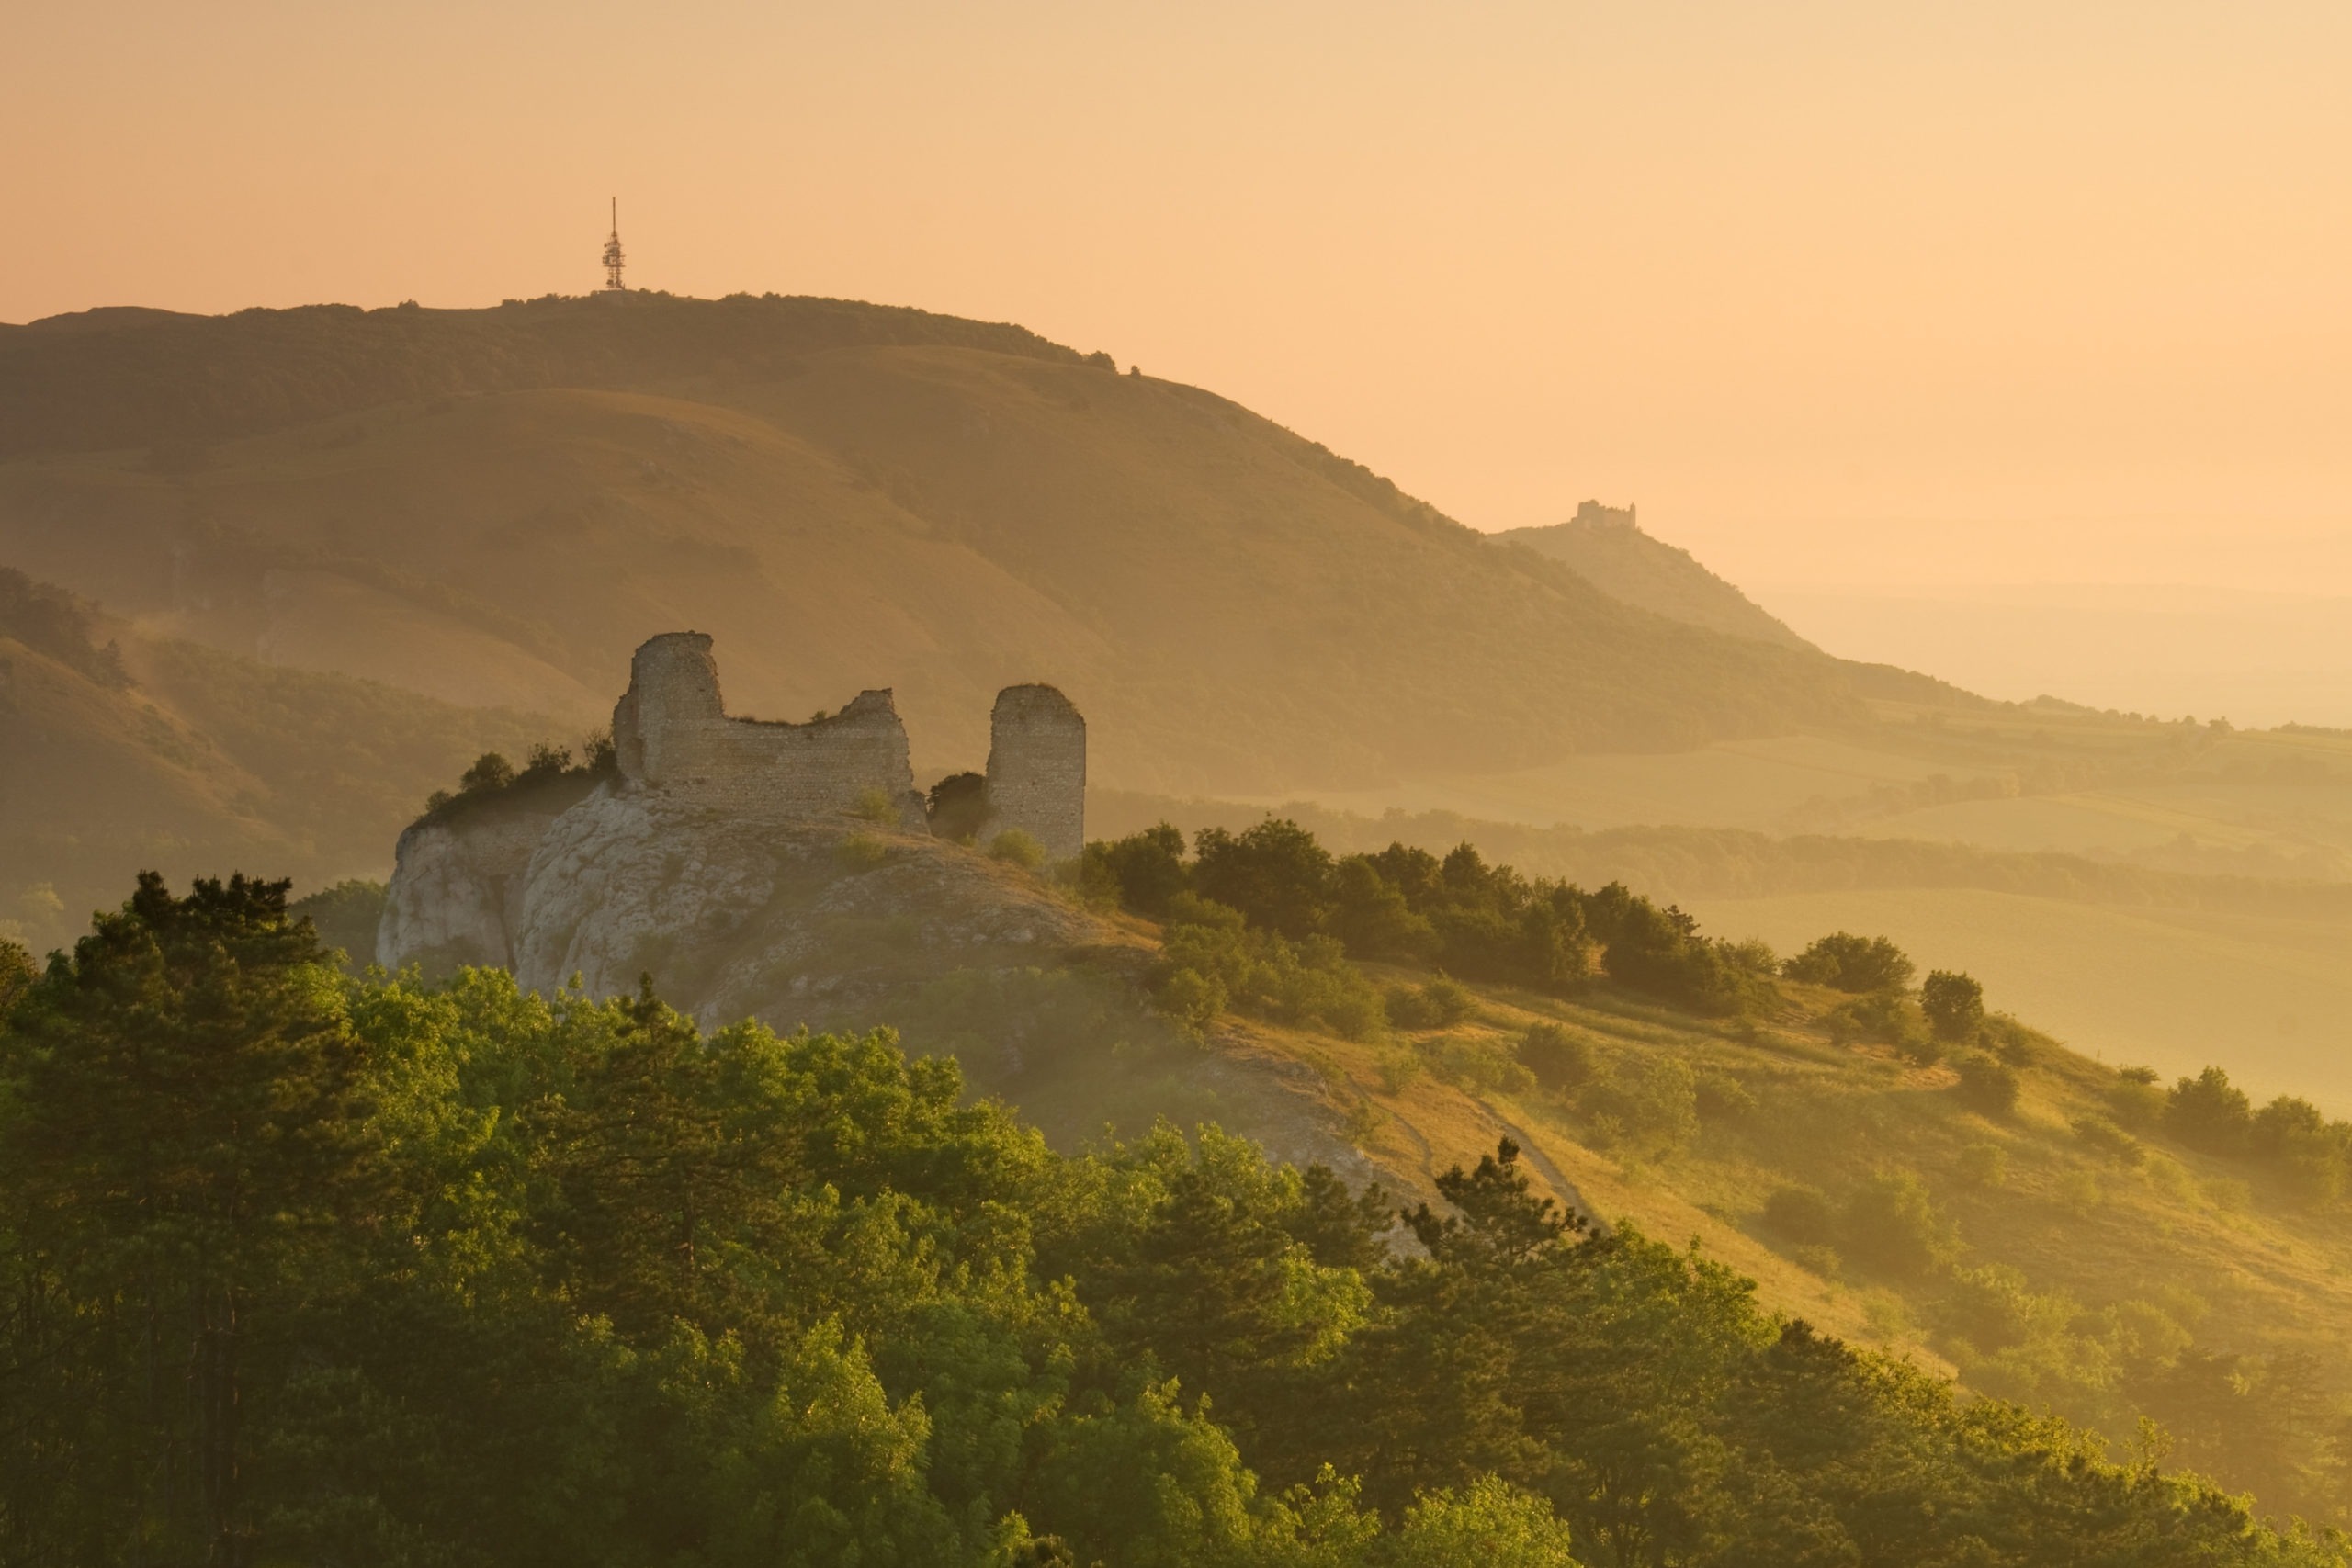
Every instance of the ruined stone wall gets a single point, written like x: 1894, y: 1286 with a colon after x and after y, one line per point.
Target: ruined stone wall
x: 672, y: 732
x: 1038, y: 768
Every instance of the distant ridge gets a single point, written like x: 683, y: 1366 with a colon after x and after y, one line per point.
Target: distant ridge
x: 494, y: 507
x: 1606, y: 546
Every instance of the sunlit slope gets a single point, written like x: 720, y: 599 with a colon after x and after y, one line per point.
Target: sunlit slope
x: 1616, y: 556
x: 938, y: 506
x: 2147, y: 1278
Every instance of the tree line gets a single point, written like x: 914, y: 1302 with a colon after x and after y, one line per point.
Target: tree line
x: 301, y: 1266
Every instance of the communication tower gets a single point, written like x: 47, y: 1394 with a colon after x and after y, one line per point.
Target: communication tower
x: 613, y: 284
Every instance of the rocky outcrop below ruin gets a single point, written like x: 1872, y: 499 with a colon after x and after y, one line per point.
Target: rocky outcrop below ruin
x: 804, y: 920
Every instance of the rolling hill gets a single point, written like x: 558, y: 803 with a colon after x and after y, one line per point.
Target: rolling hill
x: 128, y: 754
x: 493, y: 507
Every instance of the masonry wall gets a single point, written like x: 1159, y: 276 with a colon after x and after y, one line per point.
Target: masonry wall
x: 672, y: 732
x: 1038, y: 768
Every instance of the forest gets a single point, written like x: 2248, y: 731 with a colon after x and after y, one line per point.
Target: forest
x: 305, y: 1267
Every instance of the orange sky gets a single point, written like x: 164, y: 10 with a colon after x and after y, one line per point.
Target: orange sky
x: 1835, y: 292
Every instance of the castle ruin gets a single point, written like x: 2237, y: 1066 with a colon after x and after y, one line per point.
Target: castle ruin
x: 672, y: 732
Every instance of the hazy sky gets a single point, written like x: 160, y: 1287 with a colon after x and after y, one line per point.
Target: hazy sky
x: 1837, y: 291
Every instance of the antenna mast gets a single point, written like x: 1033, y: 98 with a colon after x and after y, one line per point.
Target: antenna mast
x: 613, y: 284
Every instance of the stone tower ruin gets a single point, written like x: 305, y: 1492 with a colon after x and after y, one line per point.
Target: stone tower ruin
x: 1038, y: 768
x: 672, y: 732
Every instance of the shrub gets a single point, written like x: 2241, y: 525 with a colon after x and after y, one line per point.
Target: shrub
x: 2136, y: 1102
x: 1192, y: 999
x: 1147, y: 868
x: 1398, y: 1070
x: 1818, y: 1257
x: 1560, y: 1061
x: 958, y: 806
x: 875, y: 805
x: 1987, y: 1083
x: 1722, y: 1097
x: 2209, y: 1113
x: 1800, y: 1214
x: 1436, y: 1004
x: 1953, y: 1003
x: 1483, y: 1064
x: 1259, y: 972
x: 1657, y: 1107
x: 861, y: 851
x: 490, y: 771
x: 1890, y: 1220
x: 1017, y: 848
x: 1845, y: 962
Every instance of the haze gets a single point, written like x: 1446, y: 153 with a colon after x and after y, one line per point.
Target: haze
x: 1844, y: 296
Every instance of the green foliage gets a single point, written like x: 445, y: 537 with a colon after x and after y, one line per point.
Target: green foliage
x: 1275, y: 874
x: 2211, y: 1113
x: 1560, y: 1061
x: 308, y: 1269
x: 1654, y: 1108
x: 1016, y: 848
x: 861, y: 850
x: 16, y: 975
x: 1402, y: 905
x: 1983, y: 1165
x: 1890, y: 1220
x: 1440, y: 1003
x: 1212, y: 958
x: 2136, y: 1100
x: 1144, y: 870
x: 1987, y: 1083
x: 875, y: 805
x: 347, y: 916
x: 1848, y: 962
x: 1953, y: 1003
x: 958, y: 806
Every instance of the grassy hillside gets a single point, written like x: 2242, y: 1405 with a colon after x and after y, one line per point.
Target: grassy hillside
x: 1979, y: 1197
x: 494, y: 507
x: 173, y: 756
x: 1605, y: 547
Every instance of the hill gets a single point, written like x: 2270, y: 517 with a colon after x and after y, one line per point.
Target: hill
x: 1606, y: 546
x: 120, y: 753
x: 493, y: 507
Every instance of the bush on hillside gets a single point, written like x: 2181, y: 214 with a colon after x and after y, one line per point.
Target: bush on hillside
x: 1212, y: 955
x: 1560, y: 1061
x: 2135, y: 1099
x: 1987, y: 1083
x: 1144, y: 870
x: 1890, y: 1220
x: 2209, y: 1113
x: 1016, y: 848
x: 1845, y: 962
x: 1437, y: 1004
x: 1953, y: 1003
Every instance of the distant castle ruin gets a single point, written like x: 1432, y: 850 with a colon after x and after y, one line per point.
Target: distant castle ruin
x: 672, y: 731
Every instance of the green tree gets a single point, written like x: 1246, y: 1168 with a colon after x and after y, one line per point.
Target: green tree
x: 1953, y: 1003
x: 186, y: 1142
x: 2211, y: 1113
x: 1275, y: 874
x: 1848, y: 962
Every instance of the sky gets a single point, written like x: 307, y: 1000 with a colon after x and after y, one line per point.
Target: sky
x: 1843, y: 295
